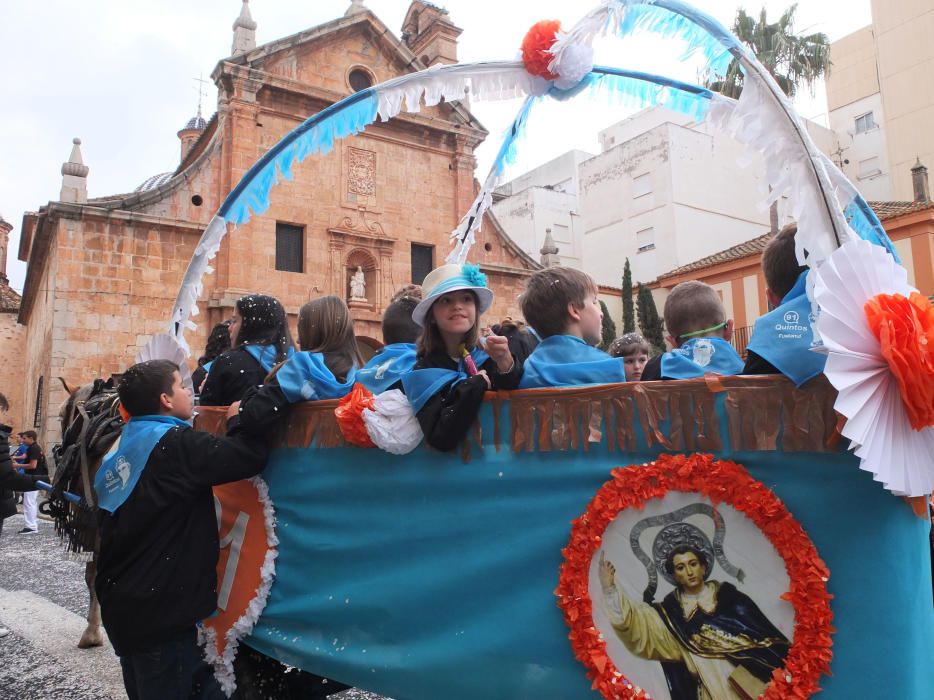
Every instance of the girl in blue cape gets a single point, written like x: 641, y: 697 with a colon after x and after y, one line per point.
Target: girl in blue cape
x: 260, y: 338
x: 325, y: 368
x: 452, y: 372
x: 561, y: 304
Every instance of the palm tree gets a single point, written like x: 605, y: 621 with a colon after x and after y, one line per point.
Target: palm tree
x: 791, y: 59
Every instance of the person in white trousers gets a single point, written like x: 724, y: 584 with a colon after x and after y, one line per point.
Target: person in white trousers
x: 34, y: 463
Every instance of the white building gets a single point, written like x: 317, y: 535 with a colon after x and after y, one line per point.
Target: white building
x: 665, y: 191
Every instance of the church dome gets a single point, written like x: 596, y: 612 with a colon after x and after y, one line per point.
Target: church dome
x: 151, y: 183
x: 197, y: 122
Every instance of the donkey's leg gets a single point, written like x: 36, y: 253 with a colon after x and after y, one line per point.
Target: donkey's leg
x: 94, y: 634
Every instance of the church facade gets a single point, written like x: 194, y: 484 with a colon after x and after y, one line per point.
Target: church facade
x: 377, y: 210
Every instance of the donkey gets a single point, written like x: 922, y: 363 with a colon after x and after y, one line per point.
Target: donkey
x: 91, y: 423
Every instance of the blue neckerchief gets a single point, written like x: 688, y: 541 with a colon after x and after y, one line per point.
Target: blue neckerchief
x: 566, y: 360
x: 700, y: 356
x: 207, y: 367
x: 387, y: 367
x: 421, y: 384
x: 124, y: 464
x: 784, y: 336
x: 305, y: 377
x: 265, y: 355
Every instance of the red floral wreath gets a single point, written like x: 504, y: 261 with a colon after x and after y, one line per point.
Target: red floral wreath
x: 721, y: 482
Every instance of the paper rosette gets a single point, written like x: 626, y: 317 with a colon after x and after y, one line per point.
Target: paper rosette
x: 877, y: 424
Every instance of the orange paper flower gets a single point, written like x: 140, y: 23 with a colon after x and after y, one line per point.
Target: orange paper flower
x: 535, y: 47
x: 905, y: 330
x: 349, y: 414
x: 721, y: 482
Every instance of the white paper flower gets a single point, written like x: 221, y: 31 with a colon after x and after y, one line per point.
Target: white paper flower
x: 877, y: 425
x: 391, y: 424
x: 574, y: 62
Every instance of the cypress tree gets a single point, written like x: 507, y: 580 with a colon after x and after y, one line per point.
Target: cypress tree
x: 653, y: 328
x: 608, y: 328
x: 629, y: 315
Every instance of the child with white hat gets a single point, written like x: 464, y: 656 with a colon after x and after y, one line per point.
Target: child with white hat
x: 452, y: 371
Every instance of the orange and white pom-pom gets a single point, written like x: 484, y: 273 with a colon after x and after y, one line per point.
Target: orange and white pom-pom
x: 536, y: 47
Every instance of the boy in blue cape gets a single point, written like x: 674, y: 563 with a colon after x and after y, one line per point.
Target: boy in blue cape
x: 700, y: 334
x: 156, y: 573
x: 386, y: 368
x: 561, y: 304
x: 782, y: 339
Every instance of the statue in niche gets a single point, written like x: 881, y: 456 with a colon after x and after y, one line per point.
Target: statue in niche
x: 358, y: 285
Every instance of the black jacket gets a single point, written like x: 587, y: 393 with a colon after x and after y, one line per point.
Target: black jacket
x: 232, y: 373
x: 448, y: 415
x: 10, y: 479
x: 756, y: 364
x: 653, y: 370
x: 156, y: 573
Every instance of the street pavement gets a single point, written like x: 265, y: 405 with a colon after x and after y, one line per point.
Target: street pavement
x: 43, y: 602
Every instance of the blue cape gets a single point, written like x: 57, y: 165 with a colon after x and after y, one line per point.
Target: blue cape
x: 566, y: 360
x: 305, y: 377
x: 387, y: 367
x: 124, y: 464
x: 784, y: 336
x: 421, y: 384
x: 265, y: 355
x: 700, y: 356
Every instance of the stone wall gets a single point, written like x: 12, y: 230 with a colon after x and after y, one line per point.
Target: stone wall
x: 13, y: 338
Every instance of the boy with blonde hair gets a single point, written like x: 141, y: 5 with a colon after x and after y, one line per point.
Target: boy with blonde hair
x: 700, y: 334
x: 561, y: 304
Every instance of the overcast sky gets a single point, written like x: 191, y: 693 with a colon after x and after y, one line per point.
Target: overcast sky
x: 120, y: 75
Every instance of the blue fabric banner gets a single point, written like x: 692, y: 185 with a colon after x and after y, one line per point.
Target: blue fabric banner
x: 425, y: 576
x: 387, y: 367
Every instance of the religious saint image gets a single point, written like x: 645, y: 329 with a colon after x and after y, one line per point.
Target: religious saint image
x: 687, y: 597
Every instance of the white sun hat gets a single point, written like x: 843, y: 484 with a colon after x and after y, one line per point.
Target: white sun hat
x: 452, y: 278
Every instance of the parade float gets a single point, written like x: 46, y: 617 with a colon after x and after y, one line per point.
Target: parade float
x: 725, y: 537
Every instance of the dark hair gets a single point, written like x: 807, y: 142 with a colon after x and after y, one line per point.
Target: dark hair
x: 31, y: 434
x: 780, y: 264
x: 628, y: 345
x: 4, y: 404
x: 325, y: 326
x: 398, y: 326
x: 143, y: 384
x: 684, y: 549
x: 692, y: 306
x: 430, y: 340
x: 263, y: 323
x: 547, y: 295
x: 218, y: 341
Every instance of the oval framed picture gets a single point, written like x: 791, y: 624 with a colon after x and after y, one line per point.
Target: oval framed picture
x: 686, y: 578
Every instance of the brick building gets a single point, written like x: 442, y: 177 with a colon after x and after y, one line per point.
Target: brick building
x: 102, y: 273
x: 12, y: 337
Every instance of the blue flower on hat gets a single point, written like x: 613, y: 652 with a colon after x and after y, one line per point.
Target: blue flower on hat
x: 473, y: 275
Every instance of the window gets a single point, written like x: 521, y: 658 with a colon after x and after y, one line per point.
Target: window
x: 868, y: 168
x: 37, y: 419
x: 641, y: 185
x: 645, y: 239
x: 360, y: 79
x: 864, y: 123
x: 423, y: 260
x: 290, y: 248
